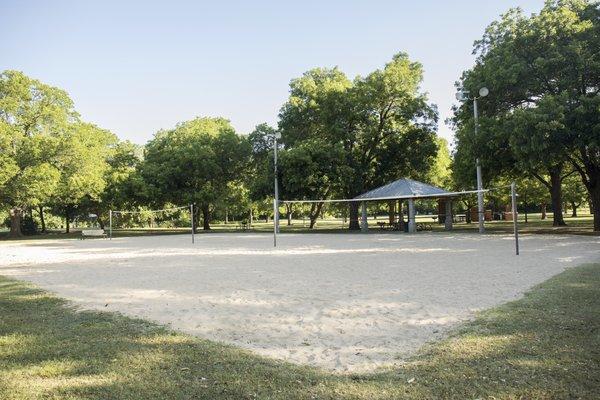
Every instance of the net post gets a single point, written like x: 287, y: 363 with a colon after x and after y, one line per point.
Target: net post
x: 109, y: 224
x: 274, y: 225
x: 192, y: 219
x: 513, y: 193
x: 480, y: 205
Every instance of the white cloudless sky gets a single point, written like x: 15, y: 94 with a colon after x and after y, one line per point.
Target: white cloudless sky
x: 135, y: 67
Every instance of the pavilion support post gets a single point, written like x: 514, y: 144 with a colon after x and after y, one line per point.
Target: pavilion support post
x: 448, y: 219
x: 412, y: 226
x: 364, y: 226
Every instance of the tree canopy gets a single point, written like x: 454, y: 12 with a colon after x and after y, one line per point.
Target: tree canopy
x: 380, y: 126
x: 541, y: 117
x: 340, y: 137
x: 194, y: 163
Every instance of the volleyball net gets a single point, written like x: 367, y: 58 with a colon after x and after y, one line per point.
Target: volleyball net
x: 171, y: 219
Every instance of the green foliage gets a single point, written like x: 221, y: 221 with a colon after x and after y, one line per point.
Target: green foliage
x: 311, y: 169
x: 47, y: 155
x: 440, y: 173
x: 33, y: 118
x: 194, y: 163
x: 259, y: 177
x: 543, y: 73
x: 380, y: 126
x: 84, y: 152
x: 574, y: 192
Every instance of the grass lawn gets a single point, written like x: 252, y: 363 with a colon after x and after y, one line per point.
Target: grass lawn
x: 546, y: 345
x: 582, y: 225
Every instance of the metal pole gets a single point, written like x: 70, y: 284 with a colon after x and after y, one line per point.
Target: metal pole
x: 513, y: 192
x: 274, y: 228
x: 110, y: 224
x: 276, y: 210
x: 276, y: 199
x: 480, y: 212
x: 192, y: 219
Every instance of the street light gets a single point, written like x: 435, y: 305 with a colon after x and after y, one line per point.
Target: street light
x: 463, y: 96
x: 276, y: 136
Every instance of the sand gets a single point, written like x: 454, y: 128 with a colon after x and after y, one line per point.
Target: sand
x: 344, y: 302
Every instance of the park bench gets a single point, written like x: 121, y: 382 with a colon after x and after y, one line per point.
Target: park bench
x: 85, y: 233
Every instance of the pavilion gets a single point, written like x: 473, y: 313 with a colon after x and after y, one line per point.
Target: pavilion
x: 409, y: 190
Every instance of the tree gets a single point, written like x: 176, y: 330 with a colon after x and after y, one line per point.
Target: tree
x: 382, y: 123
x: 537, y: 137
x: 33, y: 118
x: 440, y: 173
x: 574, y: 193
x: 260, y: 169
x: 309, y: 172
x: 194, y: 163
x: 82, y: 161
x: 543, y: 71
x: 123, y: 186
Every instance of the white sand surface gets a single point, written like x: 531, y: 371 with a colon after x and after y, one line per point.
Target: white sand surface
x: 346, y: 302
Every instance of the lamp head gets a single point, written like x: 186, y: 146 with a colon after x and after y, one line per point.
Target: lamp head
x: 484, y: 91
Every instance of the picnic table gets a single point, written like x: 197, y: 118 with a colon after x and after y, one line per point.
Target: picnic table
x: 395, y: 226
x: 460, y: 218
x: 244, y: 225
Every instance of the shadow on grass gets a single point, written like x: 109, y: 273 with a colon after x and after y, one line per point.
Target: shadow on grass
x: 545, y: 345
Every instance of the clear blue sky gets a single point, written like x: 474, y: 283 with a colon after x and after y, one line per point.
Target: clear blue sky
x: 137, y: 66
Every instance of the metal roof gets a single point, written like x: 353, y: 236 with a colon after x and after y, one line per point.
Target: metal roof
x: 405, y: 188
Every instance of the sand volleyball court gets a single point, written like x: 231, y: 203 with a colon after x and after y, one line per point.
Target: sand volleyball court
x: 345, y: 302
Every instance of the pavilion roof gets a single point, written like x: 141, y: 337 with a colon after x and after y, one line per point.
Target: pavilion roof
x: 403, y: 189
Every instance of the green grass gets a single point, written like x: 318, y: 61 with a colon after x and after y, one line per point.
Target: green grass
x: 582, y: 225
x: 546, y: 345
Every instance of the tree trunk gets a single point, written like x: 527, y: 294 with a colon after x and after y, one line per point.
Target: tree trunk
x: 42, y: 221
x: 392, y: 211
x: 226, y: 217
x: 543, y: 206
x: 251, y: 219
x: 15, y: 223
x: 573, y: 210
x: 206, y: 218
x: 595, y: 205
x: 67, y: 221
x: 288, y: 209
x: 315, y: 211
x: 556, y: 196
x: 354, y: 224
x: 468, y: 212
x: 99, y: 218
x: 196, y: 219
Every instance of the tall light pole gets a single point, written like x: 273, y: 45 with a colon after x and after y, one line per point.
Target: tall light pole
x: 462, y: 96
x: 276, y: 136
